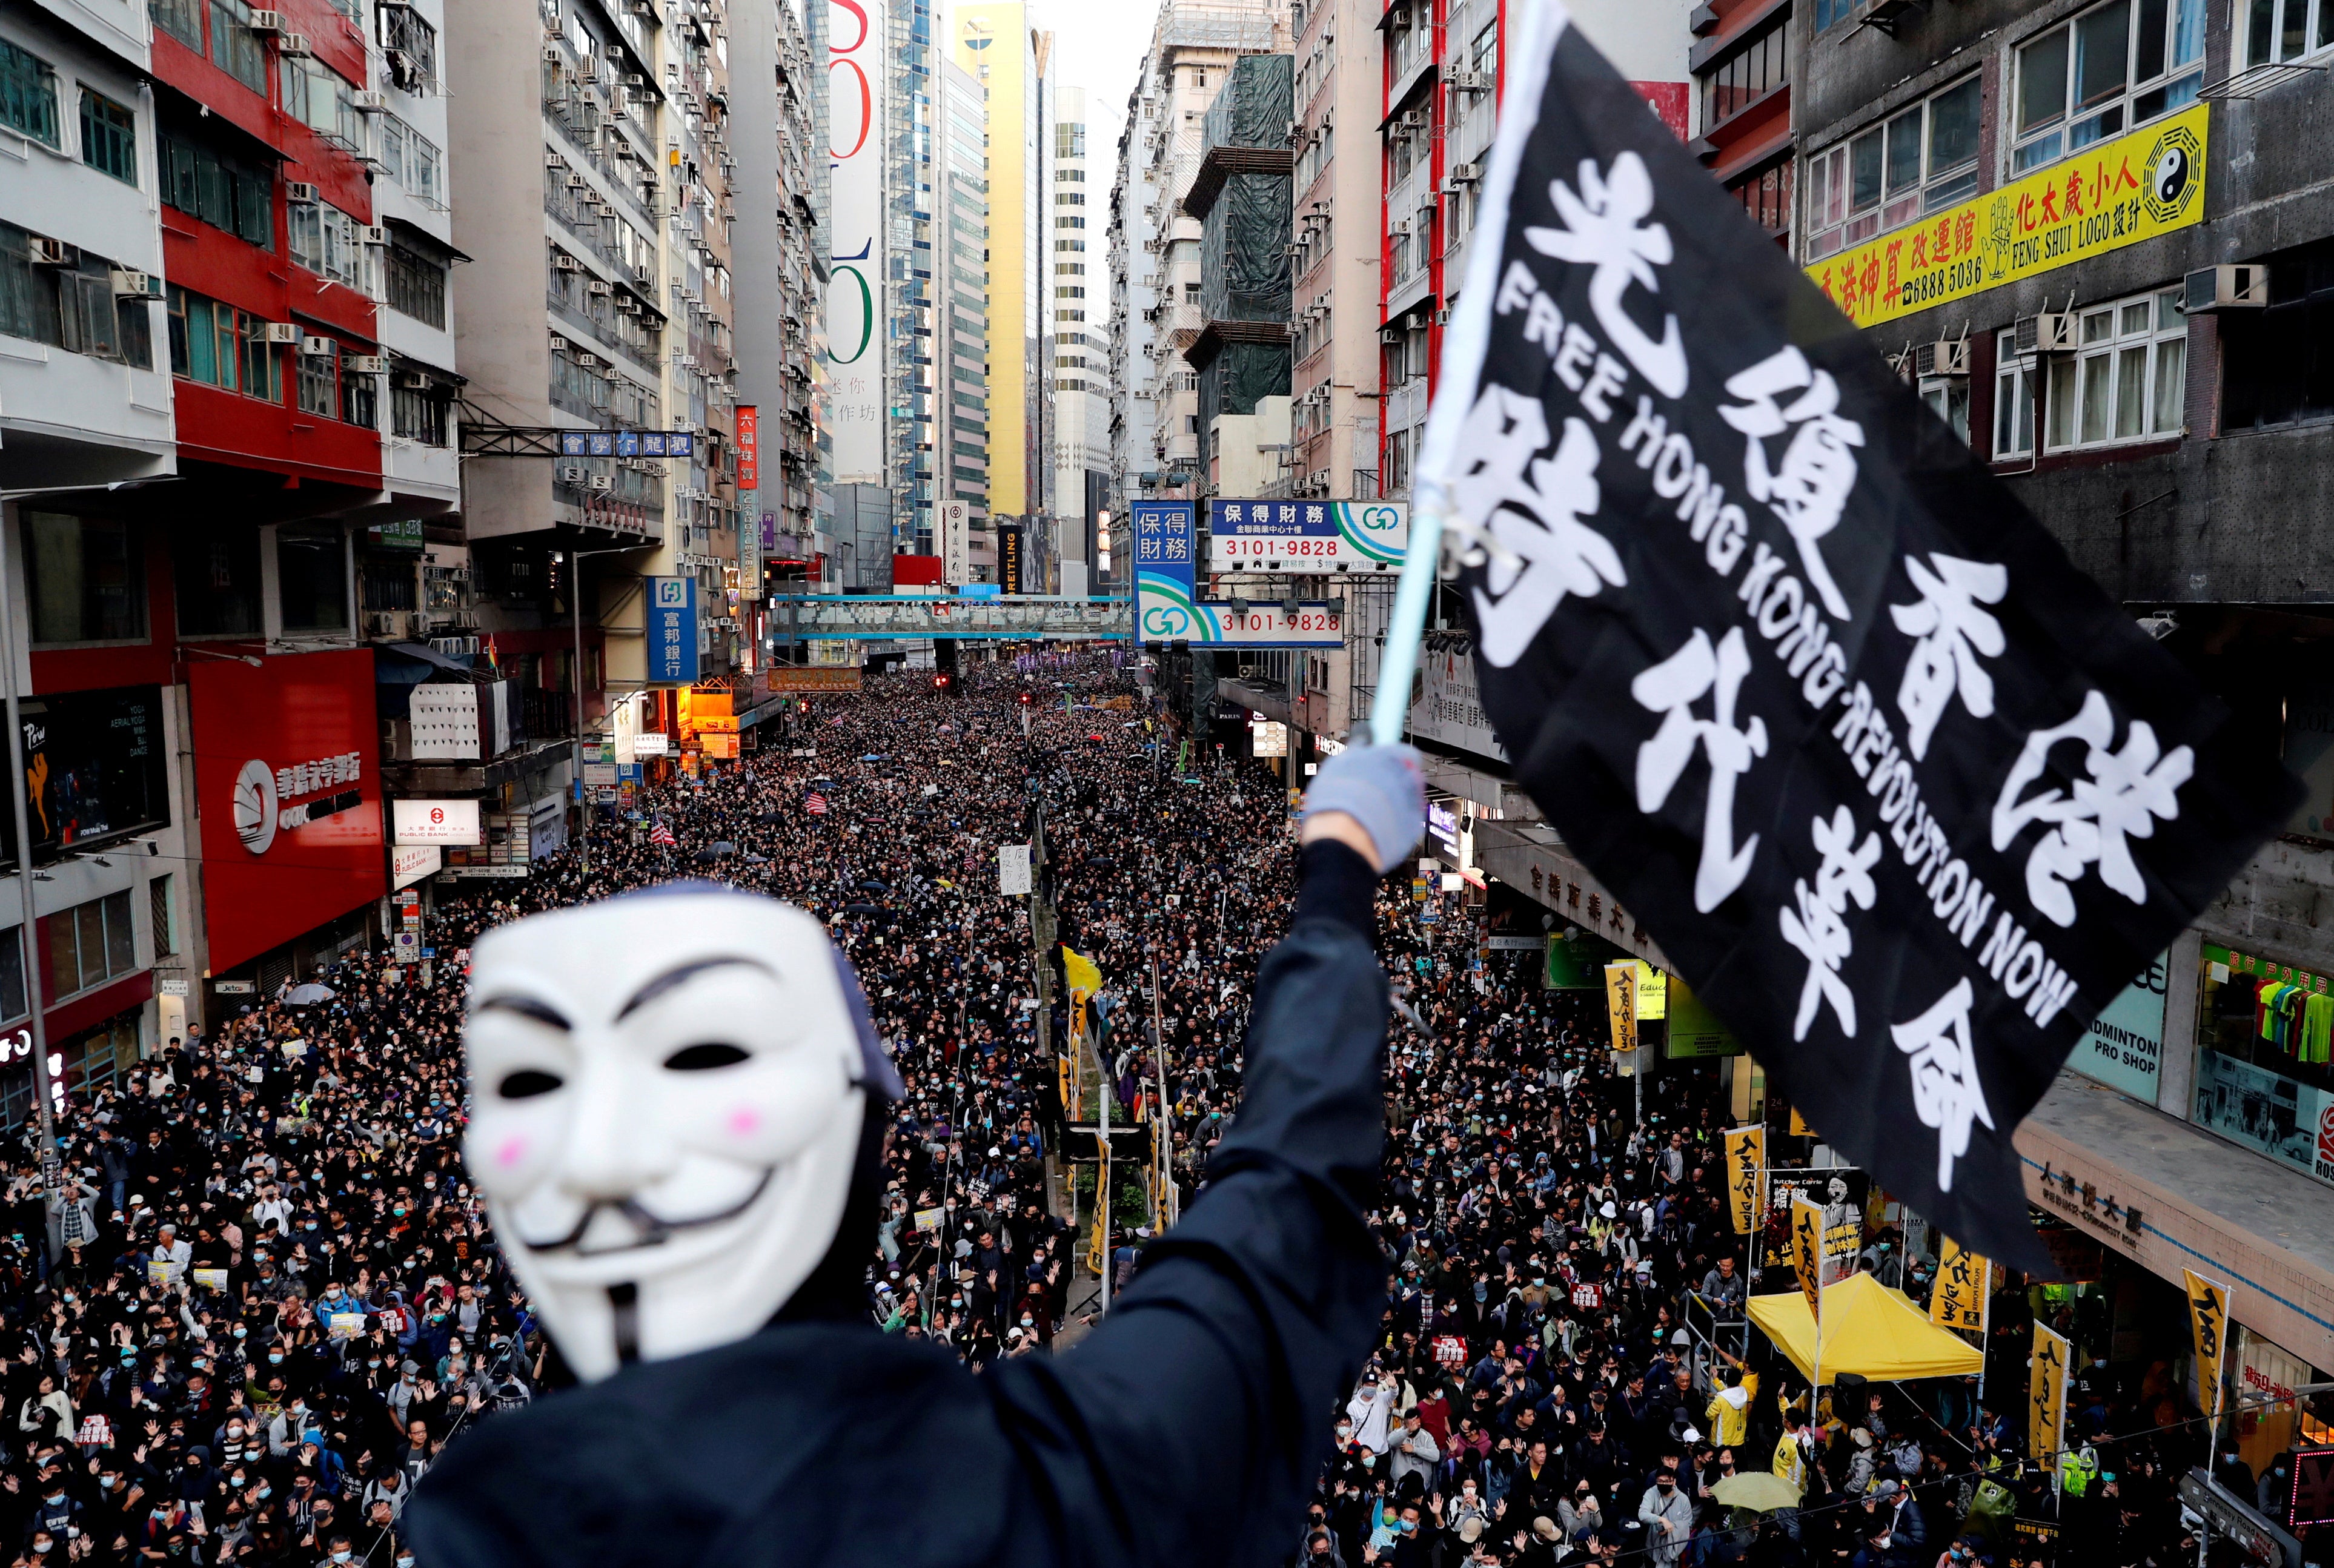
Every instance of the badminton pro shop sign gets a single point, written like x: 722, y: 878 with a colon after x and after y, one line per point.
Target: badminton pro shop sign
x: 287, y: 775
x: 1900, y: 795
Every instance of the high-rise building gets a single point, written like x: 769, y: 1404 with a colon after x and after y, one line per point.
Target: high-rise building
x: 1077, y: 271
x: 994, y: 41
x: 912, y: 378
x: 961, y: 311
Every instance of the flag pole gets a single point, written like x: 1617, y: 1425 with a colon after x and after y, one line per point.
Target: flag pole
x: 1406, y: 627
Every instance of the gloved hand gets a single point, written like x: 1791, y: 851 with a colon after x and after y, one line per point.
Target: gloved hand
x: 1383, y: 789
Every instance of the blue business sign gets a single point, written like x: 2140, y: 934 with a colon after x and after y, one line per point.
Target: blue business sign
x: 672, y: 630
x: 1306, y: 535
x: 1163, y: 580
x: 627, y: 443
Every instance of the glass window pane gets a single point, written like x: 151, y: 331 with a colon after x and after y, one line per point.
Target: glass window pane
x: 1864, y: 155
x: 2171, y: 385
x: 1953, y: 128
x: 2188, y: 31
x: 65, y: 953
x: 2148, y: 53
x: 2098, y: 326
x: 1904, y: 153
x: 2135, y: 318
x: 120, y: 948
x: 2261, y: 30
x: 2168, y: 315
x: 2102, y: 54
x: 2098, y: 377
x: 91, y: 919
x: 2062, y: 402
x: 2131, y: 392
x: 12, y: 974
x: 2289, y: 35
x: 2043, y: 82
x: 312, y: 573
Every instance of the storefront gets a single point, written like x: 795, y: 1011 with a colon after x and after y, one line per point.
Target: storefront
x: 2263, y: 1074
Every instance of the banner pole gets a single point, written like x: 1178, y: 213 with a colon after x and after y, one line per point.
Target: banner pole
x: 1406, y: 627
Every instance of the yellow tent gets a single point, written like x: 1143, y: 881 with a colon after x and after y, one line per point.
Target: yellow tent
x: 1868, y: 1329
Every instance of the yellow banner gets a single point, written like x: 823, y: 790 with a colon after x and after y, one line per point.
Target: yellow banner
x: 1958, y: 1301
x: 1746, y: 1156
x: 1806, y: 1249
x: 1621, y: 1003
x: 2046, y: 1397
x: 2100, y: 199
x: 2208, y: 1317
x: 1081, y: 971
x: 1653, y: 992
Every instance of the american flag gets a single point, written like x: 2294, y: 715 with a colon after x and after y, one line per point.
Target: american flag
x: 817, y: 804
x: 661, y: 834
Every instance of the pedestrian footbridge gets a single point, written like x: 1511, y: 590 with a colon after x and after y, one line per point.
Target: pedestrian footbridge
x: 827, y: 617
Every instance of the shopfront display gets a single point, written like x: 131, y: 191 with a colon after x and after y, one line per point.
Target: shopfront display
x: 2265, y: 1033
x: 2124, y: 1047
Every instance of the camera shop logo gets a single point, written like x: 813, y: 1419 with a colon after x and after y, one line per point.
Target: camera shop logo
x: 267, y: 799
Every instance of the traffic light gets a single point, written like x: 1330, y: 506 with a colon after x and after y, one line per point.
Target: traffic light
x: 1026, y: 700
x: 941, y: 682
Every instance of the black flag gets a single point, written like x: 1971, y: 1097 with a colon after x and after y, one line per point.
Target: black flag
x: 1899, y: 792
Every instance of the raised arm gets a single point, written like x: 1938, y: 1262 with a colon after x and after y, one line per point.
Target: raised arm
x: 1190, y: 1425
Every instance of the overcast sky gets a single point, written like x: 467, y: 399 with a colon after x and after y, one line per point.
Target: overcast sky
x: 1099, y: 44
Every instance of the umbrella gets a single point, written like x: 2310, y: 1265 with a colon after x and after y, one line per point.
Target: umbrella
x: 309, y: 995
x: 1761, y: 1491
x: 721, y: 847
x: 875, y: 887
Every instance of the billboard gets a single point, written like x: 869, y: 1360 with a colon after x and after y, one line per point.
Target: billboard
x: 287, y: 780
x: 956, y: 543
x: 672, y: 630
x: 749, y: 447
x: 1449, y: 709
x: 1009, y: 558
x: 1168, y: 608
x: 855, y: 75
x: 1308, y: 535
x: 434, y: 822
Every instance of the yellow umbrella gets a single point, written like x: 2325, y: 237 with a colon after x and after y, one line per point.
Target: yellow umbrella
x: 1760, y: 1491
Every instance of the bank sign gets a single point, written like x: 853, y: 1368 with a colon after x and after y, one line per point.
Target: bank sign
x: 2117, y: 193
x: 1168, y: 608
x: 672, y: 630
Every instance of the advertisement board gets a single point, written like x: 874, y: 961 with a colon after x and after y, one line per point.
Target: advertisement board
x: 1449, y: 709
x: 2124, y: 1047
x: 672, y: 630
x: 956, y: 543
x: 93, y: 765
x: 749, y: 447
x: 788, y: 678
x: 287, y: 779
x: 1010, y: 561
x: 1168, y: 609
x: 1306, y: 535
x: 413, y: 863
x: 856, y: 79
x: 434, y: 822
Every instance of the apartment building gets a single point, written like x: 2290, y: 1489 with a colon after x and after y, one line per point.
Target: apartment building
x: 1078, y: 432
x: 960, y: 324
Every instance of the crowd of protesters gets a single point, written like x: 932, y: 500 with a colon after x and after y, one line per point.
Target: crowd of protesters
x: 265, y: 1297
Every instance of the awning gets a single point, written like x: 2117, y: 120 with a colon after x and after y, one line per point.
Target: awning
x: 1870, y: 1329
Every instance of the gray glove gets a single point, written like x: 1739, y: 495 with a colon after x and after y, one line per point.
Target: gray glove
x: 1382, y: 787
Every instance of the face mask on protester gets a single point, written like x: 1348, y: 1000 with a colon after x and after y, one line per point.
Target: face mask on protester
x: 756, y: 1129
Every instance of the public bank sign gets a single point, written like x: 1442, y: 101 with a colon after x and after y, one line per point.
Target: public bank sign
x: 2118, y: 193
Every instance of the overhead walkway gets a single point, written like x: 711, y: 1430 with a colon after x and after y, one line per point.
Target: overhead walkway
x: 817, y: 617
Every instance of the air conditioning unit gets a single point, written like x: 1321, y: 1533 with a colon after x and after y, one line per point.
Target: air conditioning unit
x: 1947, y: 357
x: 2049, y: 332
x: 588, y: 361
x: 292, y: 44
x: 598, y: 290
x: 558, y: 344
x: 1442, y: 318
x: 1414, y: 119
x: 1389, y: 334
x: 1469, y: 80
x: 603, y: 482
x: 51, y: 252
x: 552, y: 56
x: 414, y: 381
x: 365, y: 364
x: 374, y: 234
x: 265, y: 22
x: 372, y: 103
x: 567, y: 264
x: 300, y: 191
x: 318, y: 348
x: 573, y: 473
x: 1295, y: 249
x: 1466, y: 173
x: 136, y: 285
x: 2231, y: 286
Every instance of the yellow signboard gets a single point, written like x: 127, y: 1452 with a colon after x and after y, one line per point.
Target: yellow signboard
x: 1958, y: 1301
x: 1807, y: 1250
x: 2102, y: 199
x: 2208, y: 1318
x: 2045, y: 1397
x: 1653, y: 992
x: 1621, y: 1002
x: 1746, y: 1156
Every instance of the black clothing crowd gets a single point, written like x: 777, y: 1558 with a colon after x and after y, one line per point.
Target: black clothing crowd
x: 268, y: 1297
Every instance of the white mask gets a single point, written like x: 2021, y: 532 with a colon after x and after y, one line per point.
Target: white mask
x: 669, y: 1092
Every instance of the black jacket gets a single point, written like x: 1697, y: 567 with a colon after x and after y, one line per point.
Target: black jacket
x: 1186, y: 1429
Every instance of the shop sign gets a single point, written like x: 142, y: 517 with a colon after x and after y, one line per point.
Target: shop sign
x: 410, y: 863
x: 786, y: 677
x: 672, y: 632
x: 2135, y: 188
x: 171, y: 988
x: 287, y: 781
x: 435, y: 821
x: 232, y: 988
x: 2124, y: 1047
x: 651, y: 743
x: 1449, y: 707
x: 2081, y: 1201
x: 2312, y: 1502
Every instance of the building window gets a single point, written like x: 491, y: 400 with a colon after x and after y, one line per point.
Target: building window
x: 28, y: 94
x: 316, y: 383
x: 218, y: 570
x: 359, y: 398
x: 325, y: 241
x: 1069, y: 198
x: 1923, y: 158
x: 1948, y: 398
x: 87, y: 579
x: 2125, y: 381
x: 236, y: 49
x: 1069, y: 141
x: 220, y: 346
x: 1745, y: 76
x: 414, y: 162
x: 2277, y: 365
x: 410, y: 45
x: 71, y: 308
x: 2280, y: 30
x: 415, y: 285
x: 108, y: 139
x: 221, y: 191
x: 88, y: 945
x: 181, y: 19
x: 163, y: 924
x: 2013, y: 399
x: 2112, y: 68
x: 1766, y: 195
x: 321, y: 99
x: 418, y: 414
x: 311, y: 576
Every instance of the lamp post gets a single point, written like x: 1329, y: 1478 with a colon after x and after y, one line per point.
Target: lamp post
x: 28, y: 944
